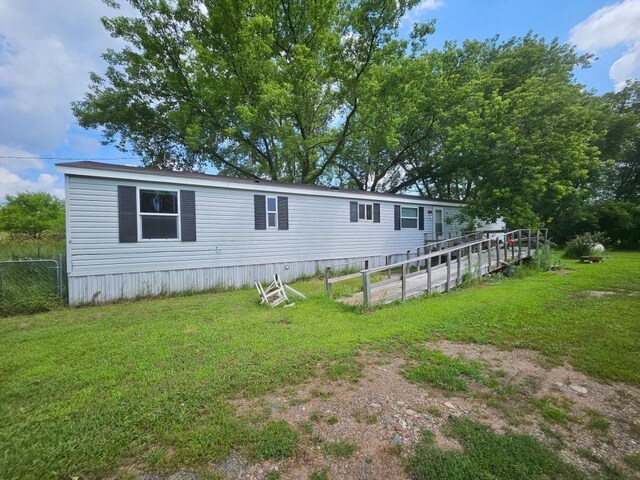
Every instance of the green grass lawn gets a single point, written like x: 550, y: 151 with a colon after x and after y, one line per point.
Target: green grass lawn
x: 86, y: 391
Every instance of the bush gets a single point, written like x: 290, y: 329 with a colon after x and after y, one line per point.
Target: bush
x: 583, y: 244
x: 545, y: 259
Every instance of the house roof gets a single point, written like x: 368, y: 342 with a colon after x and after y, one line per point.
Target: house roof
x: 109, y: 170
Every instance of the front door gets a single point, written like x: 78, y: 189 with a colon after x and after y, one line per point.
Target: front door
x: 437, y: 224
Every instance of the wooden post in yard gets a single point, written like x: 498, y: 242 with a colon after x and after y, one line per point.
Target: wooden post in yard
x: 469, y: 261
x: 520, y: 244
x: 327, y: 276
x: 417, y: 256
x: 404, y: 280
x: 428, y: 275
x: 459, y: 267
x: 497, y: 253
x: 529, y: 243
x: 448, y: 271
x: 537, y: 239
x: 366, y: 290
x: 506, y: 249
x: 488, y: 257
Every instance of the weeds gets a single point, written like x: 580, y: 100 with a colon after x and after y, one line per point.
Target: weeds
x: 343, y: 448
x: 487, y: 455
x: 277, y: 440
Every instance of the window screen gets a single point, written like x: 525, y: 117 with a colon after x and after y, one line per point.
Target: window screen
x: 409, y: 217
x: 272, y: 212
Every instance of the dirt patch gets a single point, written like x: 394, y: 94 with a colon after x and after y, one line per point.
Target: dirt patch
x: 561, y: 271
x: 383, y: 414
x: 599, y: 293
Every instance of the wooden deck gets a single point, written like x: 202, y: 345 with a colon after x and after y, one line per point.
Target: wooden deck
x: 470, y: 262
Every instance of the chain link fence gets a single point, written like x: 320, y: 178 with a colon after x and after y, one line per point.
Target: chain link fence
x: 31, y: 285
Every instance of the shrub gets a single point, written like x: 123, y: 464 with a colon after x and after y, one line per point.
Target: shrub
x: 545, y: 259
x: 583, y: 244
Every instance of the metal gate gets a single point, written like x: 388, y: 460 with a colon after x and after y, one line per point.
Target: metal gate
x: 31, y: 285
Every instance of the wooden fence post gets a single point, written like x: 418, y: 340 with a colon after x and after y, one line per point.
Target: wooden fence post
x: 528, y: 242
x: 448, y: 271
x: 497, y: 253
x: 469, y: 261
x: 520, y: 244
x: 506, y: 248
x: 404, y: 280
x: 327, y: 276
x: 488, y: 257
x: 366, y: 290
x: 459, y: 267
x: 429, y: 275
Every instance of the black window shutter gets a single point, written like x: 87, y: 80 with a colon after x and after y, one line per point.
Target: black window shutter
x: 353, y: 211
x: 396, y: 217
x: 376, y: 213
x: 420, y: 218
x: 260, y: 212
x: 283, y: 213
x: 127, y: 214
x: 188, y: 215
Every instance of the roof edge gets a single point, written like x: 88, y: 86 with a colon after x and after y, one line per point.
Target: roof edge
x: 126, y: 172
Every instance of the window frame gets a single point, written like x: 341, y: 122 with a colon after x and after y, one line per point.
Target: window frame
x: 368, y: 209
x: 403, y: 217
x: 267, y: 212
x: 140, y: 214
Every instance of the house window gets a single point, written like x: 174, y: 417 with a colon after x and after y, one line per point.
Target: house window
x: 272, y: 212
x: 365, y: 211
x: 409, y: 217
x: 158, y: 214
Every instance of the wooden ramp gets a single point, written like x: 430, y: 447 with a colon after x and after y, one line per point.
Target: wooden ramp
x: 446, y: 269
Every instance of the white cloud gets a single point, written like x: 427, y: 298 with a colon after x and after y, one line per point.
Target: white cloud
x: 415, y: 14
x: 47, y: 50
x: 427, y: 5
x: 11, y: 158
x: 13, y: 173
x: 612, y: 26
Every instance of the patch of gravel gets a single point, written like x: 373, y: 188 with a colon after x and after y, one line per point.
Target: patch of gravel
x: 384, y: 414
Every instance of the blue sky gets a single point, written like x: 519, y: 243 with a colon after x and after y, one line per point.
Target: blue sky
x: 47, y: 50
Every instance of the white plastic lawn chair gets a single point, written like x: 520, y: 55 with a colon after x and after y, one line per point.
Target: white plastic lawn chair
x: 276, y: 293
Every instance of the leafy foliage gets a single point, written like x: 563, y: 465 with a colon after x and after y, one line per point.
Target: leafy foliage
x: 32, y: 214
x: 582, y: 245
x: 259, y: 89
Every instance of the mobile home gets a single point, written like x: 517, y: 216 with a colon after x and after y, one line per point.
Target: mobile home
x: 135, y: 231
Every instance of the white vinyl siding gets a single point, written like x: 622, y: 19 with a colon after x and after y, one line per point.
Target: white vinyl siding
x: 319, y: 230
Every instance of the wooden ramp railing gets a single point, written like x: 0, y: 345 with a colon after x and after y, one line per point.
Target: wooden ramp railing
x: 387, y: 258
x: 483, y: 255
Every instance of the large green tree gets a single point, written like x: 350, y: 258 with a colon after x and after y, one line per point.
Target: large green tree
x: 32, y: 214
x: 264, y: 89
x: 521, y: 135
